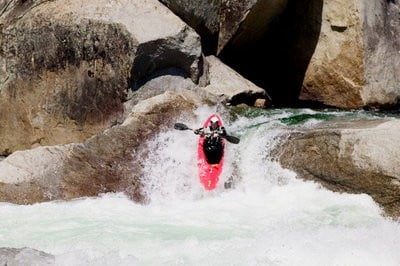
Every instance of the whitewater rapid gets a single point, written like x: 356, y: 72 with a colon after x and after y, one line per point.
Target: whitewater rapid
x: 268, y: 218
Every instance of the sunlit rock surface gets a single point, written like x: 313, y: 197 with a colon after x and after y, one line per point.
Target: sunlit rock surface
x: 66, y: 66
x: 355, y: 157
x: 356, y: 62
x: 106, y: 162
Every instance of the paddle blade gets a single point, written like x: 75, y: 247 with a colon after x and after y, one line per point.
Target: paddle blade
x: 232, y: 139
x: 180, y: 126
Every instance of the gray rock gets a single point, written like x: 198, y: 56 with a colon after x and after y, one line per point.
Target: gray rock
x: 355, y: 157
x: 171, y: 79
x: 381, y: 27
x: 244, y: 22
x: 25, y: 256
x: 357, y: 61
x: 66, y: 66
x: 202, y: 15
x: 33, y: 175
x: 221, y: 85
x: 226, y: 85
x: 106, y: 162
x: 220, y: 22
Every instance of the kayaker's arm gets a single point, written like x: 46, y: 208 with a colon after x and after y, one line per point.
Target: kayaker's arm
x: 232, y: 139
x: 199, y: 131
x: 204, y: 132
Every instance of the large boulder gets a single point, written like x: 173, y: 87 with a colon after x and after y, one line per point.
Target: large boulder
x: 356, y: 62
x: 202, y: 15
x: 171, y: 79
x: 355, y: 157
x: 226, y: 85
x: 222, y: 84
x: 244, y: 22
x: 339, y: 53
x: 66, y: 66
x: 106, y: 162
x: 222, y: 21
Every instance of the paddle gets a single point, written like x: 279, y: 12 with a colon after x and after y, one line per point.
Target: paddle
x: 232, y: 139
x: 180, y: 126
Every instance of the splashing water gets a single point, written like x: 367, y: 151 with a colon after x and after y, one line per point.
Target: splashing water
x: 268, y: 218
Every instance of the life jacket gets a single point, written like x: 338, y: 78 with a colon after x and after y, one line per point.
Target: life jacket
x: 213, y: 146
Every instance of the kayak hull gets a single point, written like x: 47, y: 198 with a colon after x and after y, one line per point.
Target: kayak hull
x: 208, y: 173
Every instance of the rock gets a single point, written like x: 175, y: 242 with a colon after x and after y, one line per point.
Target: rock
x: 381, y: 28
x: 220, y: 22
x: 25, y: 256
x: 228, y: 86
x: 223, y: 85
x: 338, y: 53
x: 66, y: 66
x: 355, y: 157
x: 33, y: 175
x: 171, y: 79
x: 356, y: 62
x: 106, y: 162
x: 261, y: 103
x: 244, y: 22
x: 202, y: 15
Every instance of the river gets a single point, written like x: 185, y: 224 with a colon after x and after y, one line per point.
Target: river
x: 268, y: 217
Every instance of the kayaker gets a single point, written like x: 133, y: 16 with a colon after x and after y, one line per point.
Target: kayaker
x: 213, y: 131
x: 213, y: 146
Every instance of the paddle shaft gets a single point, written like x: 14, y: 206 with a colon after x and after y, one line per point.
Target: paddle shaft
x: 232, y: 139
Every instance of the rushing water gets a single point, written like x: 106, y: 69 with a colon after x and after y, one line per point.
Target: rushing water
x: 268, y: 218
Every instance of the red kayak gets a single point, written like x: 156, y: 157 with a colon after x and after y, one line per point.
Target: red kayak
x: 209, y: 173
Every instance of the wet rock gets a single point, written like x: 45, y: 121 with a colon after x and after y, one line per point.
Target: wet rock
x: 33, y: 175
x: 355, y: 157
x: 24, y: 256
x: 66, y: 66
x: 106, y: 162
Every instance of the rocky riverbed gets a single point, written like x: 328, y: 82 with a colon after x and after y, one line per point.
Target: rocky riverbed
x: 84, y: 85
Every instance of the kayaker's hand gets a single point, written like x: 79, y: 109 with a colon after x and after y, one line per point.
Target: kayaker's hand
x: 196, y: 131
x: 223, y: 132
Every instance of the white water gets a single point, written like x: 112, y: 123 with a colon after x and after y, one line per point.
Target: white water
x: 269, y: 218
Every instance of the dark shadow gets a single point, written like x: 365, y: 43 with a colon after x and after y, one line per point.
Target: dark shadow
x: 279, y: 61
x: 209, y: 40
